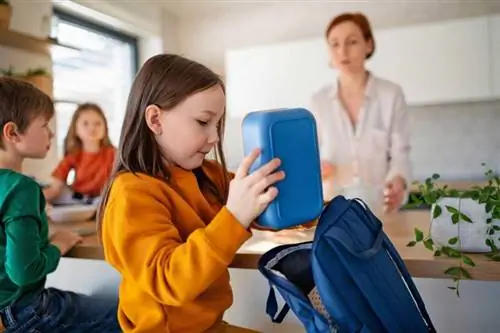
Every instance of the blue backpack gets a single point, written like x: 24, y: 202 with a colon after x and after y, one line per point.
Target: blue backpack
x: 349, y: 279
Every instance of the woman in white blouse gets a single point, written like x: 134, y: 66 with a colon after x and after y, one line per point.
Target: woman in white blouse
x: 362, y: 119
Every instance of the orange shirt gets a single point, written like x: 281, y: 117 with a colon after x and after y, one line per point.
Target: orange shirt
x: 172, y: 248
x: 92, y: 170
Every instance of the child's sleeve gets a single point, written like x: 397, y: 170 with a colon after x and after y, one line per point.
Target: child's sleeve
x: 28, y: 259
x: 63, y: 168
x: 148, y: 248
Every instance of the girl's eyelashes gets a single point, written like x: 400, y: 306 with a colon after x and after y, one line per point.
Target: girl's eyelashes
x: 202, y: 123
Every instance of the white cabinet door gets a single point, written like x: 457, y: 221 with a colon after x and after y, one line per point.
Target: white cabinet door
x: 437, y: 62
x: 275, y: 76
x: 495, y: 53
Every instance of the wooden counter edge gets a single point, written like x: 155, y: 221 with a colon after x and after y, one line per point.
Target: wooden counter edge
x: 418, y: 268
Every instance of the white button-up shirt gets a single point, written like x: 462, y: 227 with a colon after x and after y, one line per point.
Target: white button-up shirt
x: 374, y: 150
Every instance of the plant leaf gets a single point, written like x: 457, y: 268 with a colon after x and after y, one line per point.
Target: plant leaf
x: 411, y: 244
x: 437, y: 253
x: 451, y: 209
x: 453, y: 241
x: 428, y: 243
x: 419, y: 235
x: 453, y: 271
x: 465, y: 218
x: 437, y: 211
x: 493, y: 256
x: 465, y: 273
x: 455, y: 219
x: 489, y: 207
x: 468, y: 261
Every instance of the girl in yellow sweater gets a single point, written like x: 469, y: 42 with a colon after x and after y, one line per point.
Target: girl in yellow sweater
x: 170, y: 220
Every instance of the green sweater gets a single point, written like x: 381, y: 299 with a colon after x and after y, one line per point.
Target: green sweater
x: 26, y: 254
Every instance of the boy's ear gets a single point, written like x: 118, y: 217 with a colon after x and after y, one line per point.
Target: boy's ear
x: 152, y: 116
x: 10, y: 132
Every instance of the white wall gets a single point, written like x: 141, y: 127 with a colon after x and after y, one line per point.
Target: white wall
x: 205, y: 37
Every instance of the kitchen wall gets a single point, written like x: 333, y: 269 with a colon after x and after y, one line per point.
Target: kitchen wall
x: 205, y: 36
x: 31, y: 18
x: 454, y: 139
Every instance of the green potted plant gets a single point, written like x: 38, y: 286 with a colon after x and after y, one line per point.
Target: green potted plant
x: 41, y: 78
x: 8, y: 72
x: 462, y: 222
x: 5, y: 14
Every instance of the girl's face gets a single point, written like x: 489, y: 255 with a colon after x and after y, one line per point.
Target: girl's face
x: 90, y: 126
x: 348, y: 47
x: 188, y: 132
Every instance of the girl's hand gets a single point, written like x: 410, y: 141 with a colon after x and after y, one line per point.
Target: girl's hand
x: 394, y: 194
x: 249, y: 195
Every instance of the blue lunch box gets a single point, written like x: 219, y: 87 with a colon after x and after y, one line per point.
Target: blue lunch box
x: 291, y: 136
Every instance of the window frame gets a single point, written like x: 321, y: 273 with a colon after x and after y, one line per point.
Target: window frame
x: 104, y: 30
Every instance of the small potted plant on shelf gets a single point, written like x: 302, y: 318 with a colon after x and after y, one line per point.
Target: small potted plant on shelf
x: 8, y: 72
x: 40, y: 78
x: 5, y: 14
x: 462, y: 222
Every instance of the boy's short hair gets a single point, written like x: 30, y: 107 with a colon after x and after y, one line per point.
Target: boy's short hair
x: 21, y: 102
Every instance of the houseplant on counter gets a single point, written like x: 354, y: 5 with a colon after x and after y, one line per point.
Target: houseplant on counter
x: 462, y: 222
x: 5, y: 14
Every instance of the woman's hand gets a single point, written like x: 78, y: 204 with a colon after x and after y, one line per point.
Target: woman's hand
x: 250, y: 194
x: 394, y: 194
x: 327, y: 170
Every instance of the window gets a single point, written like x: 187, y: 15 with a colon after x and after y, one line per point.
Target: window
x: 98, y: 66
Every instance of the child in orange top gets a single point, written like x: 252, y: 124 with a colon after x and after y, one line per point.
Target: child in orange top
x: 171, y: 221
x: 89, y: 152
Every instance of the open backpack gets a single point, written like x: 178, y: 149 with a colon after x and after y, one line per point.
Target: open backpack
x: 349, y: 279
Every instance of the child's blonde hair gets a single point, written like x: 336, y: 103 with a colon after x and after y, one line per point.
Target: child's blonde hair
x: 165, y: 80
x: 72, y: 143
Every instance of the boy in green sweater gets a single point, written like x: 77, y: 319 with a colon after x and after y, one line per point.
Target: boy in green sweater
x: 26, y: 253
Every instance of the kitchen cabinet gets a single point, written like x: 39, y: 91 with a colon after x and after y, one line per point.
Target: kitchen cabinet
x: 437, y: 62
x: 441, y: 62
x: 494, y: 25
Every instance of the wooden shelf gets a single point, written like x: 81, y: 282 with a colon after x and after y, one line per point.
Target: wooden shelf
x: 25, y: 42
x: 29, y: 43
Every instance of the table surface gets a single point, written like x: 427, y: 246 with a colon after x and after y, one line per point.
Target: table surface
x: 399, y: 227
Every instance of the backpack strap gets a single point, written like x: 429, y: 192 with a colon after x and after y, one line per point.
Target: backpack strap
x: 343, y: 238
x: 272, y: 307
x: 409, y: 282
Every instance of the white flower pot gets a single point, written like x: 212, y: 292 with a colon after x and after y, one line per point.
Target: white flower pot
x: 472, y: 236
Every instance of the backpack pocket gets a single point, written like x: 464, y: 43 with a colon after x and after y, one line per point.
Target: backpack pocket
x: 288, y: 269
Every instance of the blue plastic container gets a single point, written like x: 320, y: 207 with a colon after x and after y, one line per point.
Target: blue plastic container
x: 290, y: 135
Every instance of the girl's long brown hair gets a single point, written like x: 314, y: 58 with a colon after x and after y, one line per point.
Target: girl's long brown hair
x: 164, y: 80
x: 72, y: 143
